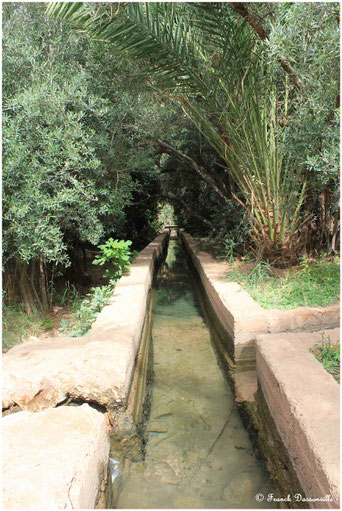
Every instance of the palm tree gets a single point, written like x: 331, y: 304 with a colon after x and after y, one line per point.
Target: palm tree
x: 207, y: 60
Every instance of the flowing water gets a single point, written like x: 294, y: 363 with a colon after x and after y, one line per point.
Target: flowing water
x: 198, y: 454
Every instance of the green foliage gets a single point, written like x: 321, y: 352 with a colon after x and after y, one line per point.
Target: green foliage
x: 309, y: 34
x: 46, y: 323
x: 76, y: 149
x: 90, y: 307
x: 315, y: 283
x: 117, y: 253
x: 69, y: 297
x: 228, y: 249
x: 57, y: 186
x: 64, y: 326
x: 259, y: 273
x: 166, y: 215
x: 216, y: 72
x: 113, y: 252
x: 329, y: 355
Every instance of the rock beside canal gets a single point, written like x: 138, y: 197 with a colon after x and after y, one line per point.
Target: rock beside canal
x: 55, y: 459
x: 41, y: 374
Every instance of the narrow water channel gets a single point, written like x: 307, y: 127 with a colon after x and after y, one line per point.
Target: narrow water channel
x: 198, y: 454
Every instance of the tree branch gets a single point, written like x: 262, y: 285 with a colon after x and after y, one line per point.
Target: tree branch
x: 240, y: 8
x: 285, y: 64
x: 207, y: 179
x: 189, y: 211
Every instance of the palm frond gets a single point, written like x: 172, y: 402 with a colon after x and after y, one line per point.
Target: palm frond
x: 200, y: 57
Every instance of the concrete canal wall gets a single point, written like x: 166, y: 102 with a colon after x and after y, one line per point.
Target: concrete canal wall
x: 303, y: 400
x: 286, y: 397
x: 58, y: 457
x: 244, y: 319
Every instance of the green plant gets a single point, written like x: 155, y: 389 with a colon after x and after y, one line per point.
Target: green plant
x: 116, y: 252
x: 17, y: 325
x: 214, y: 70
x: 304, y: 264
x: 261, y: 271
x: 228, y: 249
x: 89, y: 309
x: 46, y: 323
x: 64, y: 326
x: 75, y: 150
x: 329, y: 355
x: 70, y: 296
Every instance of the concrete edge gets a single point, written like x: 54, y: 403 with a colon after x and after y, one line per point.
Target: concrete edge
x: 242, y: 317
x: 303, y: 400
x: 64, y: 466
x: 32, y: 383
x: 131, y: 292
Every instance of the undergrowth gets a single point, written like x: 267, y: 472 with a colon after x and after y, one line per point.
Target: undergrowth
x: 17, y: 325
x: 313, y: 283
x: 118, y: 254
x: 81, y: 321
x: 329, y: 355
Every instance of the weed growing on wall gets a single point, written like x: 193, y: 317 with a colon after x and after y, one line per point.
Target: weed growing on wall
x: 329, y: 355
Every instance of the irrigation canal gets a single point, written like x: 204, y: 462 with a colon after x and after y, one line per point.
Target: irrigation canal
x: 198, y: 454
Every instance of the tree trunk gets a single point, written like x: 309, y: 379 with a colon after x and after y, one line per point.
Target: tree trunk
x: 42, y: 282
x: 32, y: 280
x: 84, y: 258
x: 25, y: 290
x: 9, y: 281
x: 168, y: 149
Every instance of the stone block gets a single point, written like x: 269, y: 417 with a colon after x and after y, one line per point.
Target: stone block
x: 55, y: 459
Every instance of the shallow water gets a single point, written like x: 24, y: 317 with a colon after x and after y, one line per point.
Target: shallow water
x: 198, y: 454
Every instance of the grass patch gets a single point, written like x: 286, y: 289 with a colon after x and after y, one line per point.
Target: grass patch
x: 17, y: 325
x: 329, y: 355
x: 313, y: 283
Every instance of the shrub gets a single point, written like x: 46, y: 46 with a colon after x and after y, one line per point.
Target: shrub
x: 116, y: 252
